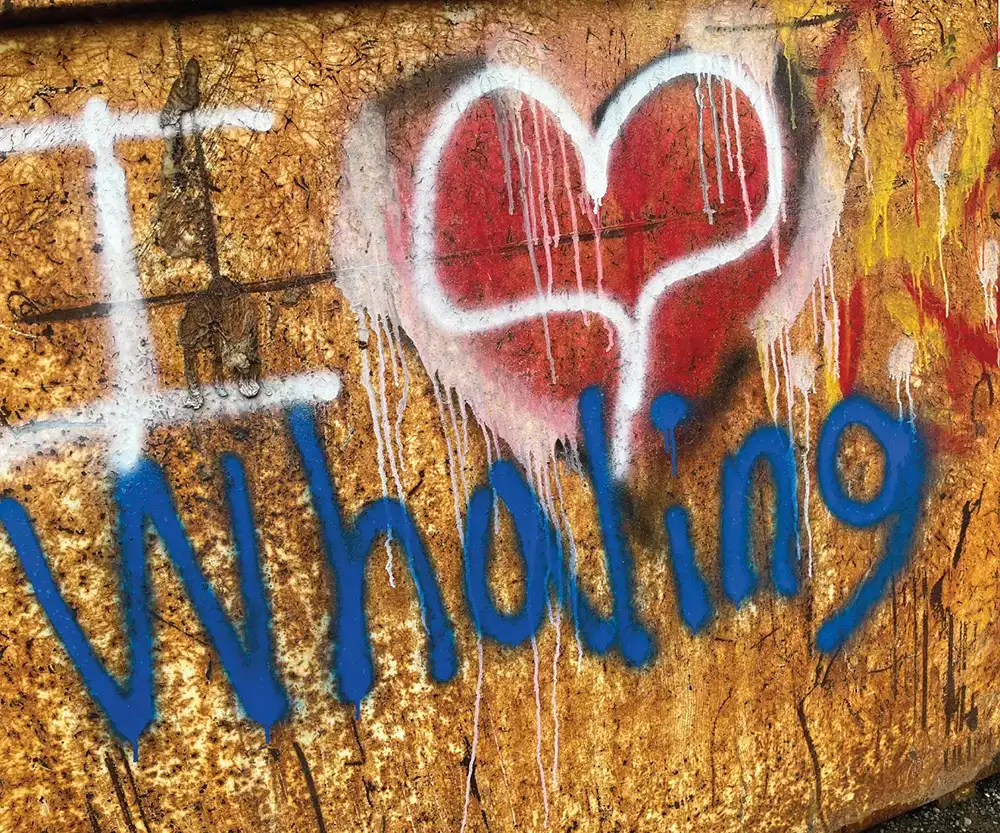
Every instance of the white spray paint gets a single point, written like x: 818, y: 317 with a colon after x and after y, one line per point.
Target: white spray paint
x: 802, y: 371
x: 404, y: 395
x: 538, y: 731
x: 900, y: 367
x: 739, y: 159
x: 382, y: 445
x: 848, y: 87
x: 572, y: 573
x: 703, y: 173
x: 455, y: 494
x: 807, y: 264
x: 475, y: 734
x: 938, y: 162
x: 989, y: 260
x: 718, y: 143
x: 524, y: 169
x: 574, y: 224
x: 137, y: 404
x: 632, y: 329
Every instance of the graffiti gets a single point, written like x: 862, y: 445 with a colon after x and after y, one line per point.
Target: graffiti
x: 137, y: 404
x: 143, y: 497
x: 688, y: 355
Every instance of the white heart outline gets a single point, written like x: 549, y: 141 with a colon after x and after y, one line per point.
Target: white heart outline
x: 594, y: 150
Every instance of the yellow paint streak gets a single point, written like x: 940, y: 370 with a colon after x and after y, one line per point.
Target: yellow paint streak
x: 930, y: 341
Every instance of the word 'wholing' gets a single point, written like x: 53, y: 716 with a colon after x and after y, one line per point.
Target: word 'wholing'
x: 143, y: 497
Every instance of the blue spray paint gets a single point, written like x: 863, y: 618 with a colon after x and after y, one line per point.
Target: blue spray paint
x: 142, y: 495
x: 739, y: 576
x: 543, y: 555
x: 693, y: 598
x: 634, y: 641
x: 347, y: 551
x: 667, y: 411
x: 534, y: 536
x: 900, y: 497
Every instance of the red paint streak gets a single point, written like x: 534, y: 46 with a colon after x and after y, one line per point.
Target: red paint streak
x: 832, y: 56
x: 977, y: 341
x: 851, y: 336
x: 939, y: 102
x: 961, y: 338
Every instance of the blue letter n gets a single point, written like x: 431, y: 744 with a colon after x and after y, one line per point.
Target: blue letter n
x: 739, y: 578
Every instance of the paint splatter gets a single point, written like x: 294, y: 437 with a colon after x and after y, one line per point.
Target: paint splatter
x: 939, y: 162
x: 900, y: 367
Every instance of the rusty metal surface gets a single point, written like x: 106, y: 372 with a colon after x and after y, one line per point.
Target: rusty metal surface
x: 277, y: 252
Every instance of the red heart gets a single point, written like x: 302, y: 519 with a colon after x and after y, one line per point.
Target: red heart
x: 653, y: 213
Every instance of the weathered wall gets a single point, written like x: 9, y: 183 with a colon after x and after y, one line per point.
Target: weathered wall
x: 827, y: 232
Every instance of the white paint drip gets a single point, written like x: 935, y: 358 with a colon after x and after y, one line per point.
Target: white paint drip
x: 386, y: 433
x: 573, y: 561
x: 530, y: 230
x: 489, y: 466
x: 725, y: 122
x: 802, y: 371
x: 460, y: 456
x: 503, y: 131
x: 547, y: 240
x: 377, y: 424
x: 556, y: 235
x: 900, y: 367
x: 831, y: 336
x: 739, y: 161
x: 718, y: 143
x: 706, y: 206
x: 989, y: 260
x: 455, y: 494
x: 938, y: 162
x: 555, y: 704
x: 404, y: 395
x: 555, y: 616
x: 592, y: 210
x: 503, y: 771
x: 786, y: 360
x: 574, y: 225
x: 475, y: 734
x: 137, y: 405
x: 538, y: 732
x: 848, y: 87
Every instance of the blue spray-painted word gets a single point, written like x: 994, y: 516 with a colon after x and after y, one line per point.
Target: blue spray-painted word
x: 143, y: 498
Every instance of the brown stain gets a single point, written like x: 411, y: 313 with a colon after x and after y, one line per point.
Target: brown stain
x: 222, y: 320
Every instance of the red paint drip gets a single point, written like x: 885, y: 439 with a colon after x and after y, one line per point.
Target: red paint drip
x: 851, y: 336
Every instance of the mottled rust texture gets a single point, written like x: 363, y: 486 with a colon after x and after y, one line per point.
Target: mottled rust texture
x: 742, y: 728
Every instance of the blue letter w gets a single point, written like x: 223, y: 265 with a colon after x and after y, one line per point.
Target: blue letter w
x: 142, y: 495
